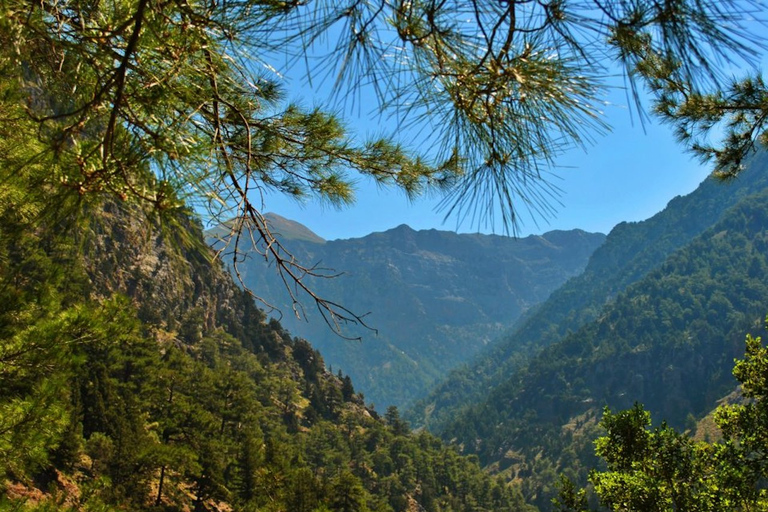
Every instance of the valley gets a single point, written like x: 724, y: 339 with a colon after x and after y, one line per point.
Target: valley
x: 656, y: 316
x: 431, y: 299
x: 167, y: 345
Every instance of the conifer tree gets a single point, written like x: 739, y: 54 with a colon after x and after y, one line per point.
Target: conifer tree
x: 659, y: 469
x: 175, y: 102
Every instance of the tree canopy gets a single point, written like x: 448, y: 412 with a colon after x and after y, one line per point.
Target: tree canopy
x: 175, y: 102
x: 662, y: 469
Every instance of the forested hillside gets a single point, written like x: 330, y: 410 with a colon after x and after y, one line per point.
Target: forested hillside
x: 435, y: 298
x: 629, y: 253
x: 135, y: 375
x: 667, y: 341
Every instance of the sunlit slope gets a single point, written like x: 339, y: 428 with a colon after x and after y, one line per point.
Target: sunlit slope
x: 629, y: 253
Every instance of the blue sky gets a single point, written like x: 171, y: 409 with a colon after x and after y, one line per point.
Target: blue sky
x: 628, y: 174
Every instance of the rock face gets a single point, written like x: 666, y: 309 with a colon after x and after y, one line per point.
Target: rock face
x: 434, y: 297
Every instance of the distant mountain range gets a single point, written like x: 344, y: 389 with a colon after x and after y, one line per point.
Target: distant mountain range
x: 435, y: 297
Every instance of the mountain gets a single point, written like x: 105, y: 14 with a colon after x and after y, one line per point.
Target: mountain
x: 667, y: 340
x: 288, y: 229
x: 434, y: 297
x: 284, y: 228
x: 135, y: 375
x: 629, y: 253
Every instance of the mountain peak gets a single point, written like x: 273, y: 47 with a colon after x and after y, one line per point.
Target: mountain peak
x: 282, y: 228
x: 287, y: 229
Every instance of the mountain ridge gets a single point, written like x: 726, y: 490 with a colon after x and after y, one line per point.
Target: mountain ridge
x: 666, y: 335
x: 668, y: 341
x: 435, y: 297
x: 629, y: 252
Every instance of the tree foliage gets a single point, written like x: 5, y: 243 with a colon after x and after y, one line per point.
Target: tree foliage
x: 173, y: 101
x: 661, y: 469
x: 182, y: 395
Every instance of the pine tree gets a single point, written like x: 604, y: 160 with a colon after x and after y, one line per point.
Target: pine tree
x: 163, y: 102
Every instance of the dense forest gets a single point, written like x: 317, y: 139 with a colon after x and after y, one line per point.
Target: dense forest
x: 650, y: 468
x: 668, y: 341
x: 135, y: 374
